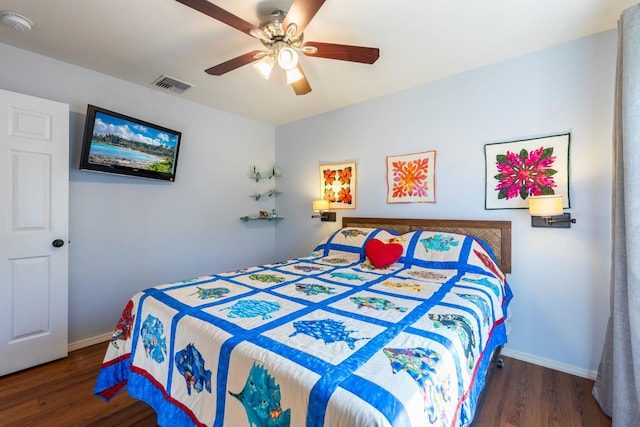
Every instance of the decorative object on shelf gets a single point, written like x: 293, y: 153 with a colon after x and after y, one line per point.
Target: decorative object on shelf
x: 322, y: 207
x: 256, y: 174
x: 411, y: 178
x: 273, y: 172
x: 517, y: 170
x: 338, y: 185
x: 546, y: 211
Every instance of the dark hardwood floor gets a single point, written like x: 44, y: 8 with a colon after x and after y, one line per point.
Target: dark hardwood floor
x: 60, y: 393
x: 527, y: 395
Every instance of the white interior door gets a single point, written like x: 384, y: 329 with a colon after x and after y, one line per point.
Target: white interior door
x: 34, y: 199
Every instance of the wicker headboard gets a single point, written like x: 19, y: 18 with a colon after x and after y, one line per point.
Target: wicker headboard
x: 497, y: 234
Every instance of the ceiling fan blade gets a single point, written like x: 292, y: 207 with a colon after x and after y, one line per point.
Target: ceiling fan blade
x: 218, y: 13
x: 301, y: 87
x: 301, y: 12
x: 343, y: 52
x: 234, y: 63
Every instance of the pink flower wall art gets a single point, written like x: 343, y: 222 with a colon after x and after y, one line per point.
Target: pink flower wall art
x: 338, y: 185
x: 517, y: 170
x: 411, y: 178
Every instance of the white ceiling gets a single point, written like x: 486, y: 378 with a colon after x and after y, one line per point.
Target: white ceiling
x: 419, y: 41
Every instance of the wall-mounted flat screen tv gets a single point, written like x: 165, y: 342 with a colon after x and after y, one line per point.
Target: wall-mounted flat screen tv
x: 118, y: 144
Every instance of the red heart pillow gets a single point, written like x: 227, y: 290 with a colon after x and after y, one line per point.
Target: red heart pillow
x: 382, y: 254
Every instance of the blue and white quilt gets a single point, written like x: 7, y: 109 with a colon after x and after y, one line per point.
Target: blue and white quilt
x: 324, y: 340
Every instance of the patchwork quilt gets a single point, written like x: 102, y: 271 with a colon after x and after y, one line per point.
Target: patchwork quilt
x: 324, y: 340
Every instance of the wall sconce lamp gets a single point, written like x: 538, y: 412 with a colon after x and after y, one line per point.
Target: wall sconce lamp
x: 546, y: 211
x: 322, y: 207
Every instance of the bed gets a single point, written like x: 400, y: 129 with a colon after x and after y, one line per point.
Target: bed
x: 388, y: 322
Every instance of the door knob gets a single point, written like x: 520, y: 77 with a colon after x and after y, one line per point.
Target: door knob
x: 58, y: 243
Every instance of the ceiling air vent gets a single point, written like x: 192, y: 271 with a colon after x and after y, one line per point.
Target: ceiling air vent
x: 172, y: 84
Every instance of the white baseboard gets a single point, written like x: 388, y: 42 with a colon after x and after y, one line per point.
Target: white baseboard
x: 548, y: 363
x: 77, y: 345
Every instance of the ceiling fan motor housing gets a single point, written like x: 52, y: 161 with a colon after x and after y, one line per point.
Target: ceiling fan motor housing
x: 271, y: 26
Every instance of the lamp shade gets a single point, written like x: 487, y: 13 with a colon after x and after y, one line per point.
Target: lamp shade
x: 320, y: 205
x: 545, y: 205
x: 293, y: 75
x: 264, y: 66
x: 287, y: 58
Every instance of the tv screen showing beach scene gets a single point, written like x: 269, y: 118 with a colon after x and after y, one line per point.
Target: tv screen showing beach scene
x: 119, y: 144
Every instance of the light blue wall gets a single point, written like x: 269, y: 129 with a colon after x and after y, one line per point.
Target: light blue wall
x: 128, y: 234
x: 561, y: 276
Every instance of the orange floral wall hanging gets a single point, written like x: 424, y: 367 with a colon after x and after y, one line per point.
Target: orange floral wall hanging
x: 411, y: 178
x: 338, y: 185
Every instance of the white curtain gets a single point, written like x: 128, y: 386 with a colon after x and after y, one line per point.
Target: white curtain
x: 617, y: 387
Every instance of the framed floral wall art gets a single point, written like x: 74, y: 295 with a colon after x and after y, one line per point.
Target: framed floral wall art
x: 411, y: 178
x: 338, y: 185
x: 516, y: 170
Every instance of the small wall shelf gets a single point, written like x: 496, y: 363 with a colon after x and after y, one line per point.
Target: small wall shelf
x: 274, y: 172
x: 260, y: 218
x: 258, y: 175
x: 272, y: 192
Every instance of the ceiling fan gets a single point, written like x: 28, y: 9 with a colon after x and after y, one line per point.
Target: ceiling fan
x: 281, y: 34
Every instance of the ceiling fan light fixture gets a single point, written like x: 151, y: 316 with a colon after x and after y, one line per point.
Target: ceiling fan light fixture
x: 264, y: 66
x: 287, y: 58
x: 281, y: 33
x: 293, y: 75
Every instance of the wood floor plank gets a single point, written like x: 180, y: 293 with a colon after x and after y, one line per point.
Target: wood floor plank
x: 60, y: 393
x: 525, y: 395
x: 19, y: 412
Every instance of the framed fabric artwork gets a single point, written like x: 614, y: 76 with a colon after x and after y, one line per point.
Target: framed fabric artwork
x: 411, y: 178
x: 516, y: 170
x: 338, y: 185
